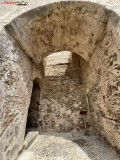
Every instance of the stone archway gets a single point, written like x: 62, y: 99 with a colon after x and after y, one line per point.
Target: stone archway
x: 85, y: 28
x: 75, y: 26
x: 64, y: 95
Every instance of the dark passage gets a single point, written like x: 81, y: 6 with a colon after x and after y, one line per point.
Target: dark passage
x: 34, y: 107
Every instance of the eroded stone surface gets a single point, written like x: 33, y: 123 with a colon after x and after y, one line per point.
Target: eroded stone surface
x: 100, y: 72
x: 39, y: 36
x: 30, y: 137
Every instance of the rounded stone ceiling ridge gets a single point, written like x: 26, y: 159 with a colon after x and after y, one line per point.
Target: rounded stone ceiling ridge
x: 76, y: 26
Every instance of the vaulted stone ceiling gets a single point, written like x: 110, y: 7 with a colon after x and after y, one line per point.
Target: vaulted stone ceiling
x: 74, y: 26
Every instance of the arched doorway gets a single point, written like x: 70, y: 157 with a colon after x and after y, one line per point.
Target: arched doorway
x: 87, y: 29
x: 64, y: 94
x: 34, y: 106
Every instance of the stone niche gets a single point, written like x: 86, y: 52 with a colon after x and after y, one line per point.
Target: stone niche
x: 33, y: 110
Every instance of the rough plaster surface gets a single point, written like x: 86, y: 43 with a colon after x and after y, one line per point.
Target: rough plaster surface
x: 46, y: 30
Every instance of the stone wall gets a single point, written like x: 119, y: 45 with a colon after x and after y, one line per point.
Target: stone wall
x: 101, y: 76
x: 63, y: 98
x: 97, y: 41
x: 17, y: 73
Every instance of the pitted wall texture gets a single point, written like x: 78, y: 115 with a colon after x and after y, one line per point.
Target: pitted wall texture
x: 63, y: 99
x: 17, y: 73
x: 102, y: 81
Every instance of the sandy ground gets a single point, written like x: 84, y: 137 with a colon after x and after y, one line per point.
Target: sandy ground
x: 67, y: 146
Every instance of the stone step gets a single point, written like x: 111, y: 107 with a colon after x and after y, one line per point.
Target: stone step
x: 25, y: 156
x: 31, y: 136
